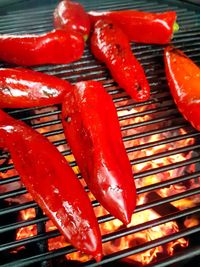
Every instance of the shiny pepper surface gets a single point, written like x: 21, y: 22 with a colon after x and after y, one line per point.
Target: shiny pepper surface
x: 141, y: 27
x: 55, y: 47
x: 92, y: 130
x: 52, y: 184
x: 110, y: 45
x: 24, y: 88
x: 70, y: 15
x: 183, y: 76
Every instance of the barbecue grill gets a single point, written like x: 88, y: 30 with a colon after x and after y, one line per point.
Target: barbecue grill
x: 155, y: 123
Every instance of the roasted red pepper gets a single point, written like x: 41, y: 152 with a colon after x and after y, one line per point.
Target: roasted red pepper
x: 52, y: 184
x: 92, y: 130
x: 110, y: 45
x: 142, y: 27
x: 55, y: 47
x: 23, y: 88
x: 71, y: 15
x: 183, y: 76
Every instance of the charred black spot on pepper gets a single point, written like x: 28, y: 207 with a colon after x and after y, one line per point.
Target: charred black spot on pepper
x: 110, y: 25
x: 68, y: 119
x: 138, y: 87
x: 47, y: 94
x: 6, y: 90
x: 119, y: 48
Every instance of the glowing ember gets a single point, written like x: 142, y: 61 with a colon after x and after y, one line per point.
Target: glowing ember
x: 30, y: 230
x: 146, y: 155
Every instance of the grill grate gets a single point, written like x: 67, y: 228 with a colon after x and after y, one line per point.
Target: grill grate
x: 160, y: 118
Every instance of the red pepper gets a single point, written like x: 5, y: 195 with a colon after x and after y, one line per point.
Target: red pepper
x: 23, y: 88
x: 52, y: 184
x: 110, y: 45
x: 55, y: 47
x: 92, y: 130
x: 142, y: 27
x: 71, y: 15
x: 183, y: 76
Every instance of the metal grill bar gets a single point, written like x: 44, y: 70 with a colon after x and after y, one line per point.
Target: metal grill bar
x: 110, y: 258
x: 142, y: 248
x: 186, y: 255
x: 109, y: 237
x: 32, y: 204
x: 107, y: 218
x: 162, y: 118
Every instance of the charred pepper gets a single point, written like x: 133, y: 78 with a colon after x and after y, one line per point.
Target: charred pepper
x: 142, y: 27
x: 72, y: 15
x: 183, y: 77
x: 24, y: 88
x: 55, y: 47
x: 52, y: 184
x: 92, y: 130
x: 110, y: 45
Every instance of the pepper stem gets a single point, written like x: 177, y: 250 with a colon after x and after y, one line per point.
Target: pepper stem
x: 175, y: 27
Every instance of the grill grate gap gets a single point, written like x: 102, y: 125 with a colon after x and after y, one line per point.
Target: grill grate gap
x: 158, y: 110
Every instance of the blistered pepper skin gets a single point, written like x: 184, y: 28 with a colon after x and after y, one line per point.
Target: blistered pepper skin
x: 52, y: 184
x: 70, y: 15
x: 183, y: 77
x: 141, y: 27
x: 92, y: 130
x: 24, y: 88
x: 55, y: 47
x: 110, y: 45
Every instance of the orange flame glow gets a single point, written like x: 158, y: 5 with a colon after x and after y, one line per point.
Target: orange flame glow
x: 153, y: 233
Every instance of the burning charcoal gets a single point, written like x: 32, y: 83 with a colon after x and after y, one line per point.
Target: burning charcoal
x: 165, y: 209
x: 7, y: 236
